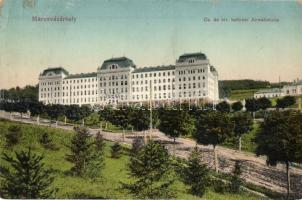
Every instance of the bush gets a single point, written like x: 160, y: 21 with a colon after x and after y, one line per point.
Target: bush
x: 116, y: 150
x: 220, y: 186
x: 46, y: 142
x: 13, y: 135
x: 137, y: 145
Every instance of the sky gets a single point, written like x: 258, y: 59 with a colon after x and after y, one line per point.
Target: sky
x: 151, y: 33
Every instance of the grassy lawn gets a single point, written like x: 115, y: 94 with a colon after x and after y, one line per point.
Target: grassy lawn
x: 242, y: 94
x: 114, y: 173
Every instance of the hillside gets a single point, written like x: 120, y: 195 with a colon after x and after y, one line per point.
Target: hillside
x: 245, y: 88
x: 74, y: 187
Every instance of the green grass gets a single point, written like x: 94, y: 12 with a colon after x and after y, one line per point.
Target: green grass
x: 242, y: 94
x: 114, y: 173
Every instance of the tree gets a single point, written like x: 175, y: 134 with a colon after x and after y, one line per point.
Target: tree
x: 223, y: 107
x: 121, y: 118
x: 264, y: 103
x: 13, y: 135
x: 175, y: 123
x: 237, y: 106
x: 251, y: 105
x: 28, y: 180
x: 95, y: 163
x: 46, y: 141
x: 55, y: 110
x: 140, y: 118
x: 99, y: 142
x: 213, y: 128
x: 280, y: 139
x: 151, y: 173
x: 196, y: 174
x: 116, y: 150
x: 286, y: 102
x: 36, y: 108
x: 236, y: 181
x: 243, y: 123
x: 80, y: 151
x: 73, y: 112
x: 137, y: 145
x: 20, y: 107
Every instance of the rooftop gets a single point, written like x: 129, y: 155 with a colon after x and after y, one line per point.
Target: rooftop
x: 82, y: 75
x: 196, y: 56
x: 56, y: 70
x: 156, y: 68
x: 271, y: 90
x: 121, y: 62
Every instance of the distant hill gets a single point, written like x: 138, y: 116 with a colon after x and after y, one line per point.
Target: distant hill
x: 226, y: 86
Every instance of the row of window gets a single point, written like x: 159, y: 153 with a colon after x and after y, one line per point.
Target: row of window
x: 113, y: 83
x: 50, y: 83
x: 193, y: 78
x: 184, y: 86
x: 154, y: 81
x: 155, y: 88
x: 113, y: 90
x: 113, y: 77
x: 80, y: 80
x: 190, y: 71
x: 150, y: 74
x: 79, y: 87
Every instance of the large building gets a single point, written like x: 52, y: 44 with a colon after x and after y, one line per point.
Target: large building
x: 293, y: 89
x: 268, y: 93
x: 120, y: 81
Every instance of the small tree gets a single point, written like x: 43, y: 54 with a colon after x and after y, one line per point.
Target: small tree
x: 286, y: 102
x: 223, y: 107
x: 116, y: 150
x: 80, y: 150
x: 280, y: 139
x: 13, y: 135
x: 175, y: 123
x: 196, y: 174
x: 264, y: 103
x: 28, y: 180
x: 236, y: 181
x: 152, y: 173
x: 237, y: 106
x: 46, y: 141
x: 137, y: 145
x: 213, y: 128
x: 243, y: 123
x: 99, y: 142
x: 95, y: 163
x: 251, y: 105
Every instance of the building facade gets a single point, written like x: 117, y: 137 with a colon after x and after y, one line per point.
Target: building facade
x: 268, y: 93
x: 119, y: 81
x: 294, y: 89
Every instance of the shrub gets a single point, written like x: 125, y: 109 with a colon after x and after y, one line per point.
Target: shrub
x: 13, y: 135
x: 116, y: 150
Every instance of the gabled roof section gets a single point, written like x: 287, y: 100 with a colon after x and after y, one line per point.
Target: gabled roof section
x: 82, y: 75
x: 196, y: 56
x: 266, y: 91
x: 122, y: 62
x: 55, y: 70
x: 152, y: 69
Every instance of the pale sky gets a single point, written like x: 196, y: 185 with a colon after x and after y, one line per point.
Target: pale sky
x: 150, y: 33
